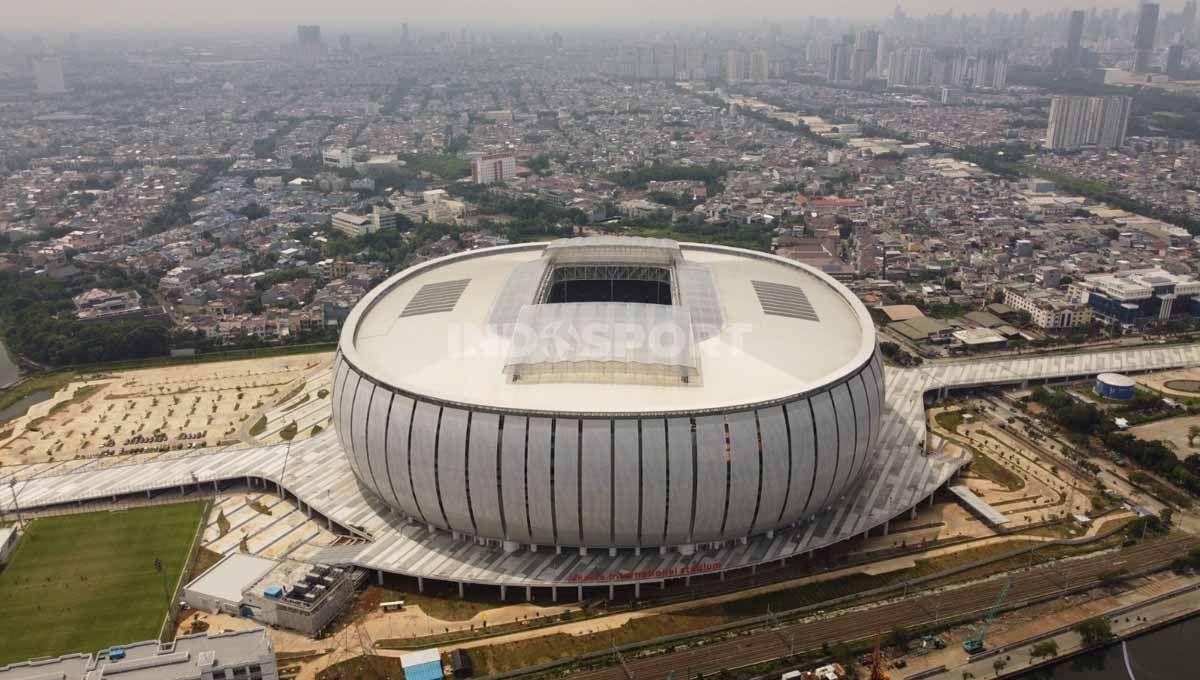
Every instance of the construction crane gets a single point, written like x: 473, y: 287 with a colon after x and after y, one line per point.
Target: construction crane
x: 974, y: 643
x: 877, y: 672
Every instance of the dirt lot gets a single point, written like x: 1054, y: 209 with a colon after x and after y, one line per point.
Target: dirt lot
x: 153, y: 409
x: 1174, y: 431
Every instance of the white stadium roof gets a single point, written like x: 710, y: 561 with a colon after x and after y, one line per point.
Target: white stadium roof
x: 763, y: 328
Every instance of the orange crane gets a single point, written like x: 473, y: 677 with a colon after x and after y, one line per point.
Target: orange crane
x: 877, y: 672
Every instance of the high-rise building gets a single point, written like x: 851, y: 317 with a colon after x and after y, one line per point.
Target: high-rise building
x: 1175, y: 59
x: 627, y: 58
x: 840, y: 56
x: 404, y: 33
x: 859, y: 64
x: 950, y: 67
x: 910, y: 67
x: 48, y: 75
x: 1073, y: 57
x: 1187, y: 23
x: 881, y: 55
x: 760, y: 66
x: 310, y: 48
x: 1143, y: 41
x: 1087, y: 121
x: 664, y: 62
x: 645, y: 62
x: 734, y: 69
x: 991, y: 70
x: 868, y: 41
x: 694, y: 63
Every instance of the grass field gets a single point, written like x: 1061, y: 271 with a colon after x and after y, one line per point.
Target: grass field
x: 85, y: 582
x: 950, y: 420
x: 987, y: 468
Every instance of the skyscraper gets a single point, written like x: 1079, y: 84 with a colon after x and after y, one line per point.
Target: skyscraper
x: 404, y: 33
x: 1175, y: 59
x: 1187, y: 25
x: 950, y: 66
x: 909, y: 67
x: 310, y: 48
x: 735, y: 69
x: 991, y: 70
x: 1087, y: 121
x: 860, y: 62
x: 1074, y: 54
x: 48, y: 75
x: 869, y: 42
x: 664, y: 62
x: 840, y: 56
x: 1143, y: 41
x: 760, y: 66
x: 881, y: 55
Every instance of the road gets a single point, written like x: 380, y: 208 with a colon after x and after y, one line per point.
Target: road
x: 912, y: 613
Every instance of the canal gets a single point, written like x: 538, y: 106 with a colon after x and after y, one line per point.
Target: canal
x: 1165, y: 654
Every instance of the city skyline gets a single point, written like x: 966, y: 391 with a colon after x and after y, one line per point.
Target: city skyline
x: 67, y: 15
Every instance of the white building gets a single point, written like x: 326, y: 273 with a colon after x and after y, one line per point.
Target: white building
x: 1047, y: 308
x: 338, y: 158
x: 244, y: 654
x: 952, y: 95
x: 356, y: 225
x: 494, y: 168
x: 48, y: 75
x: 1087, y: 121
x: 288, y: 594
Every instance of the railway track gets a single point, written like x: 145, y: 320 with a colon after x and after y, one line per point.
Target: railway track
x: 768, y: 645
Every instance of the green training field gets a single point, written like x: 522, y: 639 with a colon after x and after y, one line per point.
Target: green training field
x: 85, y: 582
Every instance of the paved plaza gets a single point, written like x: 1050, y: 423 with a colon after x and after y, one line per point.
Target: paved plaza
x: 317, y: 473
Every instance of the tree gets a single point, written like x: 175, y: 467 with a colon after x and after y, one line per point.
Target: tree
x: 1094, y: 631
x: 900, y: 637
x: 1166, y: 515
x: 842, y: 654
x: 998, y: 665
x: 1045, y: 648
x: 253, y: 211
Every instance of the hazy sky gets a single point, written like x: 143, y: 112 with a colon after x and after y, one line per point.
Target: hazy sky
x: 207, y: 14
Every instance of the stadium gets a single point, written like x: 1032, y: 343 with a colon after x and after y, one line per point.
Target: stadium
x: 608, y: 393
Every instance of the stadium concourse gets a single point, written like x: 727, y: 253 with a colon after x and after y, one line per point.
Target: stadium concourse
x: 317, y: 473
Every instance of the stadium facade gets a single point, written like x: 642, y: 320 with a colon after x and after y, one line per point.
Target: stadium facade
x: 609, y: 393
